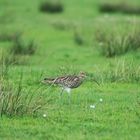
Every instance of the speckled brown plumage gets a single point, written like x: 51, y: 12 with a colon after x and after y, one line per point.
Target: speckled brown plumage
x: 68, y: 81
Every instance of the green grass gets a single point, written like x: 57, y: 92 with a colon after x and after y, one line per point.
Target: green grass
x: 117, y: 117
x: 114, y: 118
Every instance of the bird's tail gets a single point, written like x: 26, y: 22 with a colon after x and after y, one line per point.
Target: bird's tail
x: 48, y: 80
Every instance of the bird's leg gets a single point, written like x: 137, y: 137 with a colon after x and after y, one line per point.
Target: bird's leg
x: 61, y: 92
x: 69, y: 97
x: 69, y: 94
x: 60, y: 96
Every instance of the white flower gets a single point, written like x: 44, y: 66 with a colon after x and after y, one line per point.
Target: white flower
x: 101, y: 44
x: 106, y: 15
x: 92, y: 106
x: 101, y: 99
x: 44, y: 115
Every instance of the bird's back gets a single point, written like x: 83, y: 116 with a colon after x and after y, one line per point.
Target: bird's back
x: 70, y: 81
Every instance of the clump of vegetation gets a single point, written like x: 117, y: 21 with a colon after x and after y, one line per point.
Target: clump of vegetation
x: 62, y: 25
x: 51, y: 6
x: 19, y: 50
x: 17, y: 101
x: 114, y: 42
x: 120, y: 71
x: 19, y: 47
x: 8, y: 36
x: 7, y: 58
x: 123, y: 71
x: 14, y: 99
x: 78, y: 38
x: 119, y: 7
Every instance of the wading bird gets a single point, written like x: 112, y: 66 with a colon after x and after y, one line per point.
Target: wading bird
x: 67, y: 82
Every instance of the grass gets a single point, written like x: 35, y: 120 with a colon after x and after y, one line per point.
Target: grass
x: 117, y: 117
x: 19, y: 47
x: 51, y: 6
x: 84, y: 123
x: 118, y: 41
x: 120, y: 7
x: 78, y: 38
x: 16, y: 101
x: 120, y: 71
x: 7, y: 36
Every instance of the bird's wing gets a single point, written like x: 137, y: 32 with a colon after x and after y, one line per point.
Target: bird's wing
x: 76, y: 82
x: 66, y: 80
x: 72, y: 81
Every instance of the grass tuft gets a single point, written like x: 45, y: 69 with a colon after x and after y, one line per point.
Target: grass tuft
x: 78, y: 38
x: 62, y: 25
x: 18, y: 101
x: 51, y: 6
x: 119, y: 7
x: 8, y: 36
x: 117, y: 42
x: 119, y: 71
x: 19, y: 47
x: 123, y: 72
x: 7, y: 59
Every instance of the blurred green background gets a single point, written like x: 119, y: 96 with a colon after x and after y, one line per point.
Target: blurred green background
x: 51, y: 38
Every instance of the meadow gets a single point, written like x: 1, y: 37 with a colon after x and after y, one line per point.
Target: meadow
x: 101, y: 38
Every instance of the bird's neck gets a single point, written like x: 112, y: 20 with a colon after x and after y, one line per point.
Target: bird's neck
x: 81, y: 77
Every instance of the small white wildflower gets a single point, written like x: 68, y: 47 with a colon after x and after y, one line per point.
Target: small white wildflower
x: 106, y: 16
x: 92, y: 106
x: 44, y: 115
x: 101, y: 99
x: 101, y: 43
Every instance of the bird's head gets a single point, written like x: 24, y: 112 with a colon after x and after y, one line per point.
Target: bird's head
x: 82, y: 75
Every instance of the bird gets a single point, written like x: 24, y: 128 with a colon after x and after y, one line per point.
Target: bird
x: 67, y: 82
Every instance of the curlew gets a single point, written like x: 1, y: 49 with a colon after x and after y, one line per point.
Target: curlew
x: 67, y: 82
